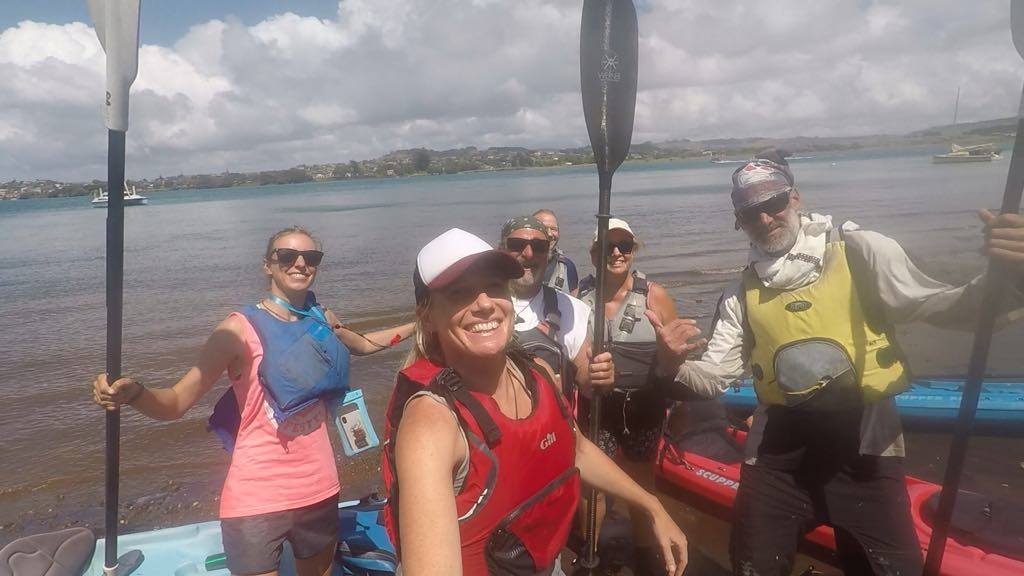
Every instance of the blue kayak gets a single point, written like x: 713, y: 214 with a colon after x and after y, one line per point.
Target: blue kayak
x: 364, y: 549
x: 933, y: 401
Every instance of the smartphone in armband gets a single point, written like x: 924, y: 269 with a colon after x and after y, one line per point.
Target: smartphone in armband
x: 354, y: 425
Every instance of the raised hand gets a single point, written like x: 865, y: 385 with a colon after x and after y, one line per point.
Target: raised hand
x: 675, y: 341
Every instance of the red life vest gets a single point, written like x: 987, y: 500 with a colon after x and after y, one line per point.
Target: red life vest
x: 516, y: 504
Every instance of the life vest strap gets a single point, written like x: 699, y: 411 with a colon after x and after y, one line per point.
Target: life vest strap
x: 552, y: 315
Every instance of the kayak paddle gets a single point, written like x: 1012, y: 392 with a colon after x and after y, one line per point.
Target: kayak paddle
x: 117, y: 25
x: 996, y: 280
x: 608, y: 72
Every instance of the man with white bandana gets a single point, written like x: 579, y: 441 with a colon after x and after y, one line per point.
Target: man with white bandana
x: 812, y: 319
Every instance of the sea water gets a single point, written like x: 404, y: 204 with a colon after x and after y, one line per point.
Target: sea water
x: 193, y: 256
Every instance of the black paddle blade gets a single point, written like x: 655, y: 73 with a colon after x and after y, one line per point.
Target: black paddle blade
x: 1017, y: 25
x: 608, y: 64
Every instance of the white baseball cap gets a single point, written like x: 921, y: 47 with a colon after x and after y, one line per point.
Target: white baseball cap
x: 446, y: 257
x: 617, y: 223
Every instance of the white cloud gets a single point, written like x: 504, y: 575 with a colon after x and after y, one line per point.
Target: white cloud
x: 384, y: 74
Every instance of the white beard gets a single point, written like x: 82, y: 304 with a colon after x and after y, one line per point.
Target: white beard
x: 802, y: 263
x: 786, y: 240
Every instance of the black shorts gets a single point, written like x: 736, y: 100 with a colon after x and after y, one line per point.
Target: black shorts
x: 253, y: 543
x: 631, y: 422
x: 865, y: 500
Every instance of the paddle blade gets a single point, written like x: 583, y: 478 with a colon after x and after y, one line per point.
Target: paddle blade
x: 1017, y: 25
x: 117, y: 26
x: 608, y: 70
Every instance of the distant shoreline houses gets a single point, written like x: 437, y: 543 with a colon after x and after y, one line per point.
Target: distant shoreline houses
x: 422, y: 161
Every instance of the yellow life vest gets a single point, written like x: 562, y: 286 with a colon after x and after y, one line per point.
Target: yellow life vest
x: 818, y: 338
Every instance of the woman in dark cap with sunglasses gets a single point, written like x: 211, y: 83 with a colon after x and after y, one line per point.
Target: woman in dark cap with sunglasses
x: 633, y: 411
x: 286, y: 358
x: 483, y: 459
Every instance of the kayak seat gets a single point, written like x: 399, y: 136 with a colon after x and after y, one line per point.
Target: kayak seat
x: 62, y: 553
x: 993, y: 525
x: 363, y: 545
x: 701, y: 427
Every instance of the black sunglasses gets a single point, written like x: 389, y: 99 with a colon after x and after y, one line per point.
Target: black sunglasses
x: 519, y: 244
x: 624, y: 246
x: 771, y: 207
x: 288, y: 256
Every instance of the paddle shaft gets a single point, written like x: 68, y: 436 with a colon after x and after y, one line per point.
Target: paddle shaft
x: 997, y: 278
x: 608, y: 75
x: 115, y: 282
x: 603, y: 208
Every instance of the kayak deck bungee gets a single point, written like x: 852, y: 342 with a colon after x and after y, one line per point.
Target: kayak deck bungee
x: 196, y: 549
x: 711, y: 485
x: 933, y: 400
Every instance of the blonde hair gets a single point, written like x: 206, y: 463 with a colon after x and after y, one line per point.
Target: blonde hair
x: 424, y: 344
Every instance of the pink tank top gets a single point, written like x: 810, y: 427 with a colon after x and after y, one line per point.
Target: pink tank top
x: 275, y: 468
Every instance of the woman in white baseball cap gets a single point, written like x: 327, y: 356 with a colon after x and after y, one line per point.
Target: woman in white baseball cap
x: 483, y: 460
x: 633, y: 412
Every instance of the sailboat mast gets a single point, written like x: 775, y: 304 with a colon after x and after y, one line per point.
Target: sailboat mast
x: 956, y: 107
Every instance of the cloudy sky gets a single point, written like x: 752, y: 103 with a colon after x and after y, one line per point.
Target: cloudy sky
x: 258, y: 84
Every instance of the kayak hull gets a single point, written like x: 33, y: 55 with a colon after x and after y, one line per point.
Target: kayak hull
x: 196, y: 549
x: 711, y: 486
x: 932, y: 403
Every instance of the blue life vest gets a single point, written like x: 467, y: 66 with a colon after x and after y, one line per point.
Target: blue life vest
x: 303, y: 362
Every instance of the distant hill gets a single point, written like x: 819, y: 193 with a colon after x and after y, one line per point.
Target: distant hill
x: 424, y: 161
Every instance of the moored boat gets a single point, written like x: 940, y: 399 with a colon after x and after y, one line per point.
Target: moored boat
x: 131, y: 198
x: 961, y: 154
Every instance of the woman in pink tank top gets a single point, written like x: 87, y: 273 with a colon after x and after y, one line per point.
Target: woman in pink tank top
x: 282, y: 483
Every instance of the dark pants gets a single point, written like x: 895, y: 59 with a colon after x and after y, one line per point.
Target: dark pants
x: 863, y: 497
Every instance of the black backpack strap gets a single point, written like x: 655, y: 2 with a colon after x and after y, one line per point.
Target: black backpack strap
x: 448, y: 385
x: 640, y: 284
x: 527, y: 365
x: 587, y: 284
x: 551, y: 313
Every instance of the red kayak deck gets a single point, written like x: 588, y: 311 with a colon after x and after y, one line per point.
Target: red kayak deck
x: 711, y: 486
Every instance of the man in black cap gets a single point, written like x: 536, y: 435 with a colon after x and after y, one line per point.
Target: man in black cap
x: 812, y: 319
x: 549, y: 323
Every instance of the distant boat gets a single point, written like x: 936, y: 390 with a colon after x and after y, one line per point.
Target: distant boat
x: 719, y: 160
x: 960, y: 154
x: 131, y: 198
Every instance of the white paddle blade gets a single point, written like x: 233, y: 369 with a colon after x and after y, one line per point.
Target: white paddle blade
x: 117, y: 25
x: 1017, y: 25
x: 98, y: 13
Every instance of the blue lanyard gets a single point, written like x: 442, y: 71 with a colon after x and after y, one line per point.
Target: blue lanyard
x: 311, y: 311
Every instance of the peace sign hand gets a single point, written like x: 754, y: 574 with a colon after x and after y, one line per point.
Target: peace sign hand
x: 675, y: 341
